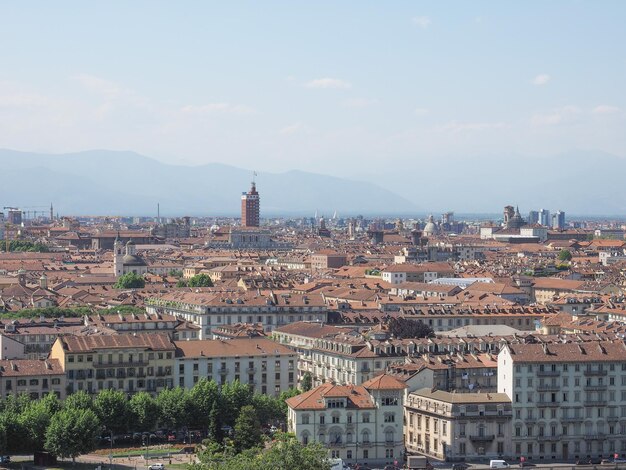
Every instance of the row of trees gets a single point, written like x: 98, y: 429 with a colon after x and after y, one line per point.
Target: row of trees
x: 27, y: 425
x: 23, y: 245
x: 285, y: 452
x: 199, y: 280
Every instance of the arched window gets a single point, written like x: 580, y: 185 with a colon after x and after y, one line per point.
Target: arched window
x: 389, y: 435
x: 305, y: 438
x: 321, y: 438
x: 366, y: 436
x: 349, y: 437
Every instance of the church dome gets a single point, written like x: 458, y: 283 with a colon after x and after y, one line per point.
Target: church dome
x: 133, y: 260
x: 430, y: 227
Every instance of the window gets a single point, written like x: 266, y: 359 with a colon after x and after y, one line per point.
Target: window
x: 305, y: 419
x: 390, y: 418
x: 322, y: 419
x: 366, y: 417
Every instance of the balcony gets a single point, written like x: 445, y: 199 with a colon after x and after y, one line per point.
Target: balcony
x: 251, y: 370
x: 222, y: 371
x: 548, y: 388
x: 595, y: 402
x: 595, y: 437
x: 544, y: 404
x: 483, y: 438
x: 548, y: 373
x: 572, y: 419
x: 595, y: 388
x: 595, y: 373
x: 120, y: 364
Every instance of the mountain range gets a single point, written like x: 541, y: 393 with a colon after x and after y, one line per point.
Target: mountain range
x: 104, y: 182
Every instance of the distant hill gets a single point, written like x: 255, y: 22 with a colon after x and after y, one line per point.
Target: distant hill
x: 126, y: 183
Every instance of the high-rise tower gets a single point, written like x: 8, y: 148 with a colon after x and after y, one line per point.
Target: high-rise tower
x: 250, y: 207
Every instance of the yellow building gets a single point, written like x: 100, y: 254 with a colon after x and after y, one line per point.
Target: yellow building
x: 131, y: 363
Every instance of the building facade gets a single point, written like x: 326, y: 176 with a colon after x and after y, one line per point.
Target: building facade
x: 131, y: 363
x: 458, y: 426
x: 269, y: 368
x: 567, y: 398
x: 359, y: 424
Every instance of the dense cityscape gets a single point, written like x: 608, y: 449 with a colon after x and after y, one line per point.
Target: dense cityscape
x: 312, y: 235
x: 376, y: 340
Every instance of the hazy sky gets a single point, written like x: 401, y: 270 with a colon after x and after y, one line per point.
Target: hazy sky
x: 332, y: 87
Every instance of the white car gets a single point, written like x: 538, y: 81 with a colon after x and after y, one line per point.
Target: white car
x: 156, y: 466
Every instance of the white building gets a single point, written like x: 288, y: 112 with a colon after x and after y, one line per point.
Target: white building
x: 359, y: 424
x: 268, y: 367
x: 568, y: 398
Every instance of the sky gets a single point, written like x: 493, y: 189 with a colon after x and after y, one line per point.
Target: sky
x: 344, y: 88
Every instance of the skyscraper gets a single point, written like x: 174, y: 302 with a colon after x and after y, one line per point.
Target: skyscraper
x: 544, y: 217
x: 558, y: 220
x: 250, y: 207
x: 533, y: 217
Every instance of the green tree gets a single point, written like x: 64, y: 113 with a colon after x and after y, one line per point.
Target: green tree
x: 130, y: 281
x: 285, y: 453
x: 145, y: 411
x: 113, y: 410
x: 176, y: 273
x: 247, y: 429
x: 215, y: 424
x: 174, y: 407
x: 36, y: 418
x: 79, y: 400
x: 307, y: 382
x: 72, y: 432
x: 405, y: 328
x: 565, y: 255
x: 234, y: 396
x: 268, y: 408
x: 200, y: 280
x: 16, y: 437
x: 202, y: 398
x: 181, y: 283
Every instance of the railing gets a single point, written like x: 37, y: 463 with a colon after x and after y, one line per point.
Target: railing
x: 595, y: 388
x: 543, y: 404
x: 548, y: 388
x: 548, y: 373
x: 483, y: 438
x: 121, y: 364
x: 595, y: 402
x: 597, y: 373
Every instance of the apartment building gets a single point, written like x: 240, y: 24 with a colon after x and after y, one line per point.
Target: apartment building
x: 568, y: 399
x: 341, y: 355
x: 216, y: 308
x: 268, y: 367
x: 132, y: 363
x: 457, y: 426
x: 35, y: 378
x: 358, y: 423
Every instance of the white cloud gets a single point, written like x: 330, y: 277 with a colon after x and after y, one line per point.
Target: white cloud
x: 99, y: 85
x: 563, y: 115
x: 605, y: 109
x: 295, y: 128
x: 421, y: 111
x: 541, y: 79
x: 328, y: 83
x: 456, y: 126
x: 359, y: 103
x: 422, y: 21
x: 212, y: 108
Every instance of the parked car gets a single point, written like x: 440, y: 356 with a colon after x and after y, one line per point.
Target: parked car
x: 5, y: 459
x: 156, y: 466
